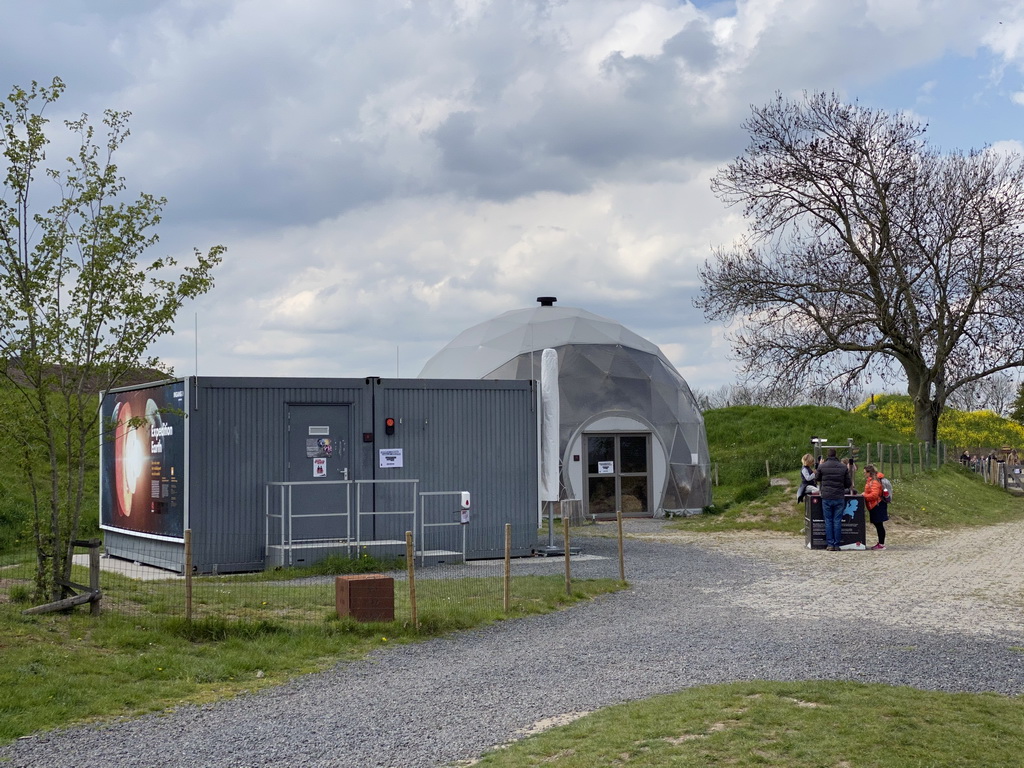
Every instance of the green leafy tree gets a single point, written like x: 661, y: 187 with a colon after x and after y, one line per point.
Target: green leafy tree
x: 870, y: 253
x: 81, y: 304
x: 1017, y: 408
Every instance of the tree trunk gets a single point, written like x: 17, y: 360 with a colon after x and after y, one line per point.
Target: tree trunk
x: 928, y: 397
x: 926, y: 419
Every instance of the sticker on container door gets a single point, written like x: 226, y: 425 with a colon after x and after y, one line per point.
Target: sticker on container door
x: 319, y: 447
x: 319, y: 467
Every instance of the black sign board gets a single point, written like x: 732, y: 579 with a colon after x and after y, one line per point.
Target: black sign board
x: 814, y: 521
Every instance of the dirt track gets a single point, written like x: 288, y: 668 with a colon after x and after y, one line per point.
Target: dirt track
x: 970, y: 580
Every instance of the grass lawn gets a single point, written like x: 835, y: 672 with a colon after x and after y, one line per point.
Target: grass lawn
x: 58, y: 669
x: 797, y: 725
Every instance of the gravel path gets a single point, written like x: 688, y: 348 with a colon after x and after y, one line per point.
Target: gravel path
x: 936, y: 611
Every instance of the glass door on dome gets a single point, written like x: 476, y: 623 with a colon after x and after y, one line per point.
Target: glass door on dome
x: 617, y: 475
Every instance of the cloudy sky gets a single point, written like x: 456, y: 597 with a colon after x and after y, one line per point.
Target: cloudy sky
x: 386, y: 174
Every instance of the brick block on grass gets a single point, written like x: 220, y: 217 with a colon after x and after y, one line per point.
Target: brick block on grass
x: 365, y: 597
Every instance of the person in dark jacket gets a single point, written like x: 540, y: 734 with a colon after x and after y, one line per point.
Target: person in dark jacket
x: 833, y: 483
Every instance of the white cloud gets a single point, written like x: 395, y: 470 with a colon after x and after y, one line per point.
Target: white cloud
x: 1010, y: 147
x: 386, y: 174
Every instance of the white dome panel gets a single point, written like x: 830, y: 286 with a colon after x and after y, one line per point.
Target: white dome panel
x: 603, y: 368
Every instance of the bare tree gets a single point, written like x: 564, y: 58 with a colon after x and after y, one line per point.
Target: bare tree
x: 870, y: 254
x: 778, y: 396
x: 996, y: 394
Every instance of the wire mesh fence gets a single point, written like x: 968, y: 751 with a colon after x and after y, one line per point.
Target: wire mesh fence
x: 416, y: 586
x: 896, y: 460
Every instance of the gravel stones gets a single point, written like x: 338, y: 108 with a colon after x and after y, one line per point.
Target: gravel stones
x: 702, y: 609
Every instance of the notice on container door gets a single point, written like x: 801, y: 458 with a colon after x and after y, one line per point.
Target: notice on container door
x: 390, y: 458
x: 319, y: 467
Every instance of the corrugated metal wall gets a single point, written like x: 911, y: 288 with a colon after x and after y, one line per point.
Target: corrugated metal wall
x: 238, y: 444
x: 476, y: 436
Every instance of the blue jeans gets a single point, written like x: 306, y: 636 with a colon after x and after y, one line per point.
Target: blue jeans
x: 832, y: 511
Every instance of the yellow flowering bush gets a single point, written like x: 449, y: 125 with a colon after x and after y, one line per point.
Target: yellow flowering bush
x: 980, y: 430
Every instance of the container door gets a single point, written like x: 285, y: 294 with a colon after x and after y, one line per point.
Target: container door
x: 618, y: 475
x: 318, y: 452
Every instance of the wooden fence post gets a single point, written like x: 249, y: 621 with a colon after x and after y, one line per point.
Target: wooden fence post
x: 188, y: 575
x: 622, y: 559
x: 94, y: 574
x: 410, y: 565
x: 568, y: 568
x: 507, y: 591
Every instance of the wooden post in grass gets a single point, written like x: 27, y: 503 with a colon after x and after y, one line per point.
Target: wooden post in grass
x: 622, y: 561
x: 767, y: 469
x: 410, y: 565
x: 507, y: 591
x: 94, y: 574
x: 90, y: 594
x: 568, y: 569
x: 188, y: 575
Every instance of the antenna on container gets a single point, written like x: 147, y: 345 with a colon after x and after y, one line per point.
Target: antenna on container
x: 195, y: 344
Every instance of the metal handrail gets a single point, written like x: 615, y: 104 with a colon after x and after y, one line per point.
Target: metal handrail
x: 287, y: 513
x: 424, y: 524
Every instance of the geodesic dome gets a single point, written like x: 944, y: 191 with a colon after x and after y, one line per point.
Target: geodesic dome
x: 610, y: 380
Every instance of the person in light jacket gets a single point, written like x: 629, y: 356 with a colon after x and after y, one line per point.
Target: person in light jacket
x: 834, y: 481
x: 806, y: 478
